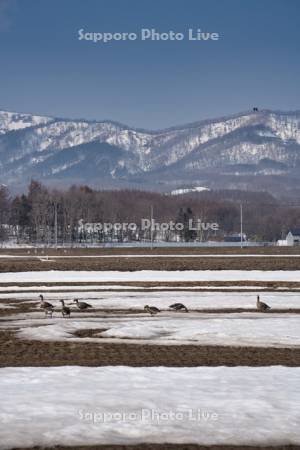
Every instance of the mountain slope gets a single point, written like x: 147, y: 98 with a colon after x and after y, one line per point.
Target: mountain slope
x: 251, y: 148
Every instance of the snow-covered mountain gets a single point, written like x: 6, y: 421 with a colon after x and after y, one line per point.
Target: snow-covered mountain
x: 259, y: 149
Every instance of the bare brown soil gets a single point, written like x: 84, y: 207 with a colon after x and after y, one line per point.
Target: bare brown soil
x: 20, y: 307
x: 133, y: 264
x: 164, y: 446
x: 16, y: 352
x: 88, y: 332
x: 172, y: 285
x: 155, y: 251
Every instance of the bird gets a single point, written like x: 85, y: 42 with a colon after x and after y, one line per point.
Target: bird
x: 47, y: 307
x: 82, y: 305
x: 178, y: 307
x: 65, y: 310
x: 261, y: 306
x: 151, y: 309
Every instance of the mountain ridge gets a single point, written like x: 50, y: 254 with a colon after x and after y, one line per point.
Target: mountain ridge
x: 110, y: 154
x: 192, y: 124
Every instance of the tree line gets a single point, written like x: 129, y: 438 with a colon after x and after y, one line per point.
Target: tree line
x: 45, y: 216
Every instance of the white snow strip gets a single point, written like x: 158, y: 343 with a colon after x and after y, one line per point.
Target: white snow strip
x: 167, y: 328
x: 149, y: 275
x: 75, y: 405
x: 115, y: 287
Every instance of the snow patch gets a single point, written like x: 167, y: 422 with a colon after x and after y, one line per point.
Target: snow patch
x: 187, y: 190
x: 149, y: 275
x: 124, y: 405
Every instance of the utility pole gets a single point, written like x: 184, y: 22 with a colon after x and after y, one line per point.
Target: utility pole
x: 55, y: 224
x: 241, y: 216
x: 151, y: 229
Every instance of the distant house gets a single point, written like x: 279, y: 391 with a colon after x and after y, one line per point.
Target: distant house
x: 235, y: 238
x: 293, y: 237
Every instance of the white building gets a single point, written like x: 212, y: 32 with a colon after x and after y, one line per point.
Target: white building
x: 293, y: 237
x: 282, y: 243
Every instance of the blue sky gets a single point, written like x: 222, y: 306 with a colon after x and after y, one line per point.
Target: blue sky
x: 45, y: 69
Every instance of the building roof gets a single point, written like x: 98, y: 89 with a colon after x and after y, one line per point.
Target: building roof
x: 295, y: 231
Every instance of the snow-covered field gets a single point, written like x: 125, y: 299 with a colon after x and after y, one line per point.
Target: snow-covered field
x: 149, y: 275
x: 74, y: 405
x: 168, y: 328
x: 122, y: 405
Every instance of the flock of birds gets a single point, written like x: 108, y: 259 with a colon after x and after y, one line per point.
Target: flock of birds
x: 65, y: 310
x: 152, y: 310
x: 260, y: 306
x: 175, y: 307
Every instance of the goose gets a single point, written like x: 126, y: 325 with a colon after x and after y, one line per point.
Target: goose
x: 178, y: 307
x: 47, y: 307
x: 261, y: 306
x: 64, y: 309
x: 151, y: 309
x: 82, y: 305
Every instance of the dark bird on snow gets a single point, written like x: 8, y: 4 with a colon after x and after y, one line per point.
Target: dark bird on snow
x: 178, y: 307
x: 65, y: 310
x: 47, y: 307
x: 261, y: 306
x: 151, y: 309
x: 82, y: 305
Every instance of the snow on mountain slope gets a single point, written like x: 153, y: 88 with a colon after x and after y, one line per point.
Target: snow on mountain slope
x: 285, y: 126
x: 43, y: 147
x: 187, y: 190
x: 10, y: 121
